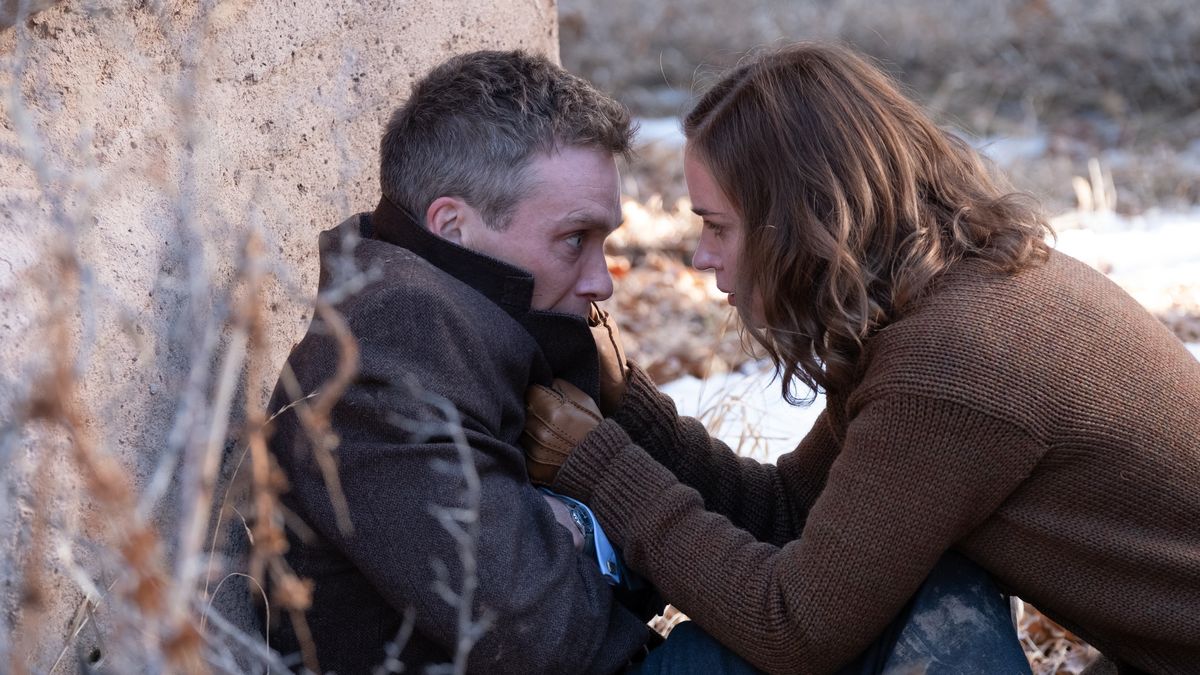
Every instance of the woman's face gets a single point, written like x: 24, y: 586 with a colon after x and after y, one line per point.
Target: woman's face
x: 721, y: 238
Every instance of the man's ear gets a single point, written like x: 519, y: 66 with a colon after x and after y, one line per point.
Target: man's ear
x: 446, y: 217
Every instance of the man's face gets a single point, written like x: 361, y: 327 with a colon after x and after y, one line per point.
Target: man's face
x: 557, y: 231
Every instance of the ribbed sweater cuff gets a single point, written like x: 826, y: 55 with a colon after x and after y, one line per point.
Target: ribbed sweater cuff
x: 614, y: 477
x: 646, y: 413
x: 586, y: 464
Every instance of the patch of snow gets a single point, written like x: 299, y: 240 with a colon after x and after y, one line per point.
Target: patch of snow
x: 1190, y: 158
x: 1005, y: 150
x: 734, y: 405
x: 1141, y: 245
x: 1154, y: 256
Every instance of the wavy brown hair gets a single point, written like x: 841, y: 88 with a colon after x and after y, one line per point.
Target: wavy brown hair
x: 853, y: 203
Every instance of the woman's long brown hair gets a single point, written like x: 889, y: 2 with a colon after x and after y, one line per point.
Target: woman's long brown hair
x: 853, y: 201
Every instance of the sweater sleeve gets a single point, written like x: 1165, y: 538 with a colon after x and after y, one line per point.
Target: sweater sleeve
x: 914, y: 476
x: 763, y: 499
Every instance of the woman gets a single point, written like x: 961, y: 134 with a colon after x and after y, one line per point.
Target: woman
x: 985, y: 395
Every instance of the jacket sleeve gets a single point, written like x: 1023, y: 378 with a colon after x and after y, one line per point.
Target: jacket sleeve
x: 771, y: 501
x: 547, y: 608
x: 914, y: 476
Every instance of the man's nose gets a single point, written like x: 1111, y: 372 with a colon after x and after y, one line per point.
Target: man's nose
x: 596, y: 284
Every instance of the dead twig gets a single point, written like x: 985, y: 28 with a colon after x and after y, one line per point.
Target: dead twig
x: 462, y: 523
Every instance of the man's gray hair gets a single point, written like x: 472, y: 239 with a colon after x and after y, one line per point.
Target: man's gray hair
x: 474, y: 123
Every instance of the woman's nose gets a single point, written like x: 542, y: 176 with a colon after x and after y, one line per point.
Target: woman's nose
x: 704, y: 259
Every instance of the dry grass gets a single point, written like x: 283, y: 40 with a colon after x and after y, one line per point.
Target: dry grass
x: 1051, y: 649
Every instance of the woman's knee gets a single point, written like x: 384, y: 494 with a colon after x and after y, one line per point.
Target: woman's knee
x: 958, y: 622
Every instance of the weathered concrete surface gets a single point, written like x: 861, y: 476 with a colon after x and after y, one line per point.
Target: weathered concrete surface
x: 11, y: 10
x: 146, y: 140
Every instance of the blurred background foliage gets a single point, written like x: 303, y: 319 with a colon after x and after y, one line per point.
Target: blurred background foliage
x: 1083, y: 78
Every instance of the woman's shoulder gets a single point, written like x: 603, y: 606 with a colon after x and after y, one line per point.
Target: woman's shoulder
x: 1020, y: 343
x: 979, y: 311
x: 973, y: 289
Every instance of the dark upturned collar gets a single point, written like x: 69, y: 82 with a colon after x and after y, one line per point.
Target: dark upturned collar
x: 507, y: 285
x: 565, y: 339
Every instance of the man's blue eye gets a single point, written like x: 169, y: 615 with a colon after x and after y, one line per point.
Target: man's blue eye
x: 575, y: 240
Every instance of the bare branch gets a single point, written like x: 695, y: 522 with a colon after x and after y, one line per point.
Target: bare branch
x: 462, y: 524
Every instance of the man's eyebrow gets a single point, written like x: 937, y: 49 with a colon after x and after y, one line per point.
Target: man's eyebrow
x: 590, y: 221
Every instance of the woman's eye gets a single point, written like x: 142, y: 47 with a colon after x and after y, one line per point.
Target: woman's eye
x: 716, y: 229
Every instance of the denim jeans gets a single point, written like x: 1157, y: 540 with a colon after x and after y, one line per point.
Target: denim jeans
x: 957, y: 623
x: 691, y: 651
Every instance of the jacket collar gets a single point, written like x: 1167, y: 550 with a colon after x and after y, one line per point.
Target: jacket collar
x: 565, y: 339
x: 507, y: 285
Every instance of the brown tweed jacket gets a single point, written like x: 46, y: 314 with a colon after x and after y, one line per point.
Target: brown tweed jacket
x: 439, y: 323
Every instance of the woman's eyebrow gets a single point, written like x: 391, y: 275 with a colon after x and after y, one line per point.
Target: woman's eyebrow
x: 702, y: 212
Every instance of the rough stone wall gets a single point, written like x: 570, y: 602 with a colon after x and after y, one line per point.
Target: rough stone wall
x: 141, y: 143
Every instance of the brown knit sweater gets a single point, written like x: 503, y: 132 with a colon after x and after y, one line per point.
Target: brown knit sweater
x: 1043, y: 424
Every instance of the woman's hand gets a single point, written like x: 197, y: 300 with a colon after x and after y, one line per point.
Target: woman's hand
x: 556, y: 420
x: 614, y: 369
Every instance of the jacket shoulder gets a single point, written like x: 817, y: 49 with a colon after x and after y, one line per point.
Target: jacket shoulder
x: 413, y: 323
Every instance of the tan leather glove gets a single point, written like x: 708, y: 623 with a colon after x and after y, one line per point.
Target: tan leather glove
x: 556, y: 420
x: 614, y: 369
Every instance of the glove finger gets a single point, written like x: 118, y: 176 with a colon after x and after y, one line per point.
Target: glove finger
x: 549, y: 438
x: 541, y: 397
x: 577, y: 399
x: 541, y: 437
x: 614, y: 338
x: 542, y: 475
x: 545, y: 456
x: 606, y: 332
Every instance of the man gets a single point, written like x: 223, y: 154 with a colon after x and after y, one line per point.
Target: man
x: 481, y: 262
